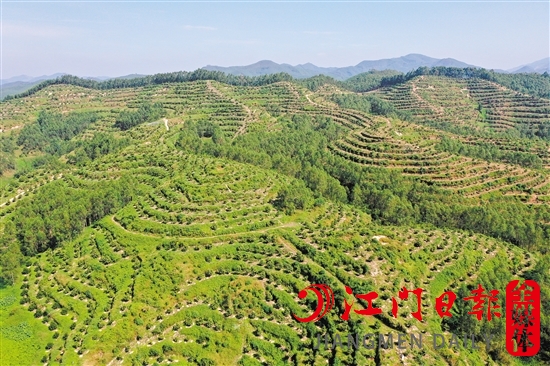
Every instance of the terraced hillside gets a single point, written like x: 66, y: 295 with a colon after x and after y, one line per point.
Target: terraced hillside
x: 200, y: 266
x: 413, y: 148
x: 472, y: 102
x: 407, y: 147
x: 175, y: 244
x: 200, y: 98
x: 477, y: 105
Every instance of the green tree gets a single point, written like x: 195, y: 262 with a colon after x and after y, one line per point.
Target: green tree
x: 294, y: 196
x: 10, y: 255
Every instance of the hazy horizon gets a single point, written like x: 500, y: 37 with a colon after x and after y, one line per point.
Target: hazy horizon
x: 117, y: 39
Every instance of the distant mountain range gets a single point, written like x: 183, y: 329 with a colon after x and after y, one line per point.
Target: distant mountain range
x: 30, y: 79
x: 19, y: 84
x: 402, y: 64
x: 540, y: 66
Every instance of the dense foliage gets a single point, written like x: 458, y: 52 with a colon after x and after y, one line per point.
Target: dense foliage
x: 7, y: 148
x: 490, y: 152
x: 369, y: 104
x: 99, y: 145
x: 300, y: 150
x: 50, y: 218
x: 315, y: 82
x: 534, y: 84
x: 368, y: 80
x: 8, y: 143
x: 294, y: 196
x: 7, y: 162
x: 146, y: 112
x: 52, y: 130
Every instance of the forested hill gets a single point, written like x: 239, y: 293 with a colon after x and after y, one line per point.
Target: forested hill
x: 532, y: 83
x: 176, y: 220
x: 174, y: 77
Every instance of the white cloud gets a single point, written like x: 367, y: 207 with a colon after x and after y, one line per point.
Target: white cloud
x: 320, y: 33
x: 18, y: 30
x: 199, y: 27
x: 242, y: 42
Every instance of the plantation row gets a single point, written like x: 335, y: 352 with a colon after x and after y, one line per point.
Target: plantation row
x: 200, y: 267
x: 197, y: 101
x: 375, y: 142
x: 410, y: 148
x: 418, y: 156
x: 469, y: 102
x: 204, y: 263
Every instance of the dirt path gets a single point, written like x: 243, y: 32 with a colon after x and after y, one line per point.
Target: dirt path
x: 9, y: 129
x: 249, y: 114
x: 166, y: 124
x: 22, y: 192
x: 249, y: 118
x: 435, y: 109
x: 317, y: 104
x: 287, y: 225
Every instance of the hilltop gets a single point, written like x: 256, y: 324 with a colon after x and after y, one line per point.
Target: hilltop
x: 540, y: 66
x: 21, y: 83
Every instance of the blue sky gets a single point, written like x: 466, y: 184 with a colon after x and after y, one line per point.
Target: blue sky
x: 113, y: 39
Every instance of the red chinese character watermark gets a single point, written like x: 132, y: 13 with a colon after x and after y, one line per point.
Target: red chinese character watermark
x: 369, y: 298
x: 325, y: 302
x: 522, y: 309
x: 404, y: 295
x: 484, y: 303
x: 443, y: 307
x: 523, y: 318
